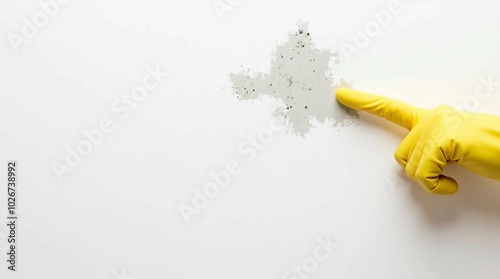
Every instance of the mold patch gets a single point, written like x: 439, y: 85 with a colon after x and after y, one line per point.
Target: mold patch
x: 301, y: 81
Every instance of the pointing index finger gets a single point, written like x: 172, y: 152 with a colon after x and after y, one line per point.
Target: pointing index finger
x: 398, y: 112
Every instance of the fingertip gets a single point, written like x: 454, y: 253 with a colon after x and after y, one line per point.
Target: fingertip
x: 393, y: 110
x: 342, y: 94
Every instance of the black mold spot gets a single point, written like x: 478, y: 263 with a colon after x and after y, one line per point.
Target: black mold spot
x: 290, y: 80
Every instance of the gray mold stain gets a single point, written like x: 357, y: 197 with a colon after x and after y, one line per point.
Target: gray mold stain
x: 301, y: 80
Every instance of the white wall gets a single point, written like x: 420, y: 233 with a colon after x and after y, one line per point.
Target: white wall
x: 116, y: 214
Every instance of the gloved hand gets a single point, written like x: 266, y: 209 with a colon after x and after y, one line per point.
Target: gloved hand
x: 437, y: 136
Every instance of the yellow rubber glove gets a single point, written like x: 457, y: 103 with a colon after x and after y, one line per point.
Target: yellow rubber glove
x: 437, y: 136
